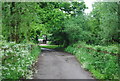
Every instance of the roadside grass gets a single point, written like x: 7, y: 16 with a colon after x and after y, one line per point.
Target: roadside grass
x: 99, y: 60
x: 50, y: 46
x: 55, y: 47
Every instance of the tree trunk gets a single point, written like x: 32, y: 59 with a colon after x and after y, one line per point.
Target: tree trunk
x: 12, y: 22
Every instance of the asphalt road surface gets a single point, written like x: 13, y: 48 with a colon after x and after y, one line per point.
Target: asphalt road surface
x: 59, y: 65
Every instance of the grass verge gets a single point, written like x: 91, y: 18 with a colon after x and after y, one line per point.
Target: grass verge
x: 55, y: 47
x: 101, y: 61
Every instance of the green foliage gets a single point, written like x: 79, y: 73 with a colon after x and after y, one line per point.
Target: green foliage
x: 103, y: 22
x: 28, y: 21
x: 17, y: 60
x: 63, y: 13
x: 17, y: 18
x: 100, y: 27
x: 77, y: 29
x: 66, y: 23
x: 102, y: 64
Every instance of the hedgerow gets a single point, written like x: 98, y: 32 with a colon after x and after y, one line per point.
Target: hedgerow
x: 101, y: 61
x: 17, y: 60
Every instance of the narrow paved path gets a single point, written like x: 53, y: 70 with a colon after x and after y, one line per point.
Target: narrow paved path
x: 59, y: 65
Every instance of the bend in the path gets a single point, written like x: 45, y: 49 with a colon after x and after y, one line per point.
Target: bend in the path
x: 59, y: 65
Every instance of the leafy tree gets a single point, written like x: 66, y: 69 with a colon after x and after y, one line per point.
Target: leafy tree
x: 16, y: 20
x: 105, y: 25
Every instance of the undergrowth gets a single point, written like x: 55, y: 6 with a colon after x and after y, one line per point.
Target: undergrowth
x: 17, y: 60
x: 101, y: 61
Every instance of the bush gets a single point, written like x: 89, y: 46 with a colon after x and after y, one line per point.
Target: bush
x: 97, y: 59
x: 17, y: 60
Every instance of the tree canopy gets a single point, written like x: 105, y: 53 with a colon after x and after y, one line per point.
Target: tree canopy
x: 65, y: 21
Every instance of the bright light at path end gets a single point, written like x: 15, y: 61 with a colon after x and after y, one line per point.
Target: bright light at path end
x: 89, y: 5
